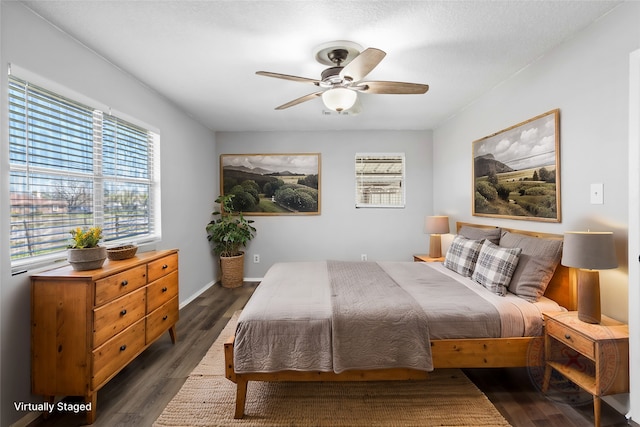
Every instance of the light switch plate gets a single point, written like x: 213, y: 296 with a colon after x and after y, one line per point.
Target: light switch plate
x: 597, y: 194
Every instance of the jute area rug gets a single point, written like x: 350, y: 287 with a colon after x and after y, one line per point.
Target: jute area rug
x: 447, y: 398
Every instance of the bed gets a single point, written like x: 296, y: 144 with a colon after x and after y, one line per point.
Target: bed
x: 365, y: 321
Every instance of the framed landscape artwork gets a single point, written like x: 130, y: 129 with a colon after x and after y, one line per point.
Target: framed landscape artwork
x: 272, y: 184
x: 516, y: 171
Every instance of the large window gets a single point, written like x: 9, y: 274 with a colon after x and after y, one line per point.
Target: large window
x: 75, y: 166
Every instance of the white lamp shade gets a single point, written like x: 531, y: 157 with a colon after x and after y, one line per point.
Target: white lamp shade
x: 339, y: 99
x: 436, y: 224
x: 589, y: 250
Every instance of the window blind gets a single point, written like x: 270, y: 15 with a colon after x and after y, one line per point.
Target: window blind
x: 73, y: 166
x: 379, y: 180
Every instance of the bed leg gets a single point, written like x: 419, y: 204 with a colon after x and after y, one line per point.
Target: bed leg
x: 229, y: 369
x: 241, y: 397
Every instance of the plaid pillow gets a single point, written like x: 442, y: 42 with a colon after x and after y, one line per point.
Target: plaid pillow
x: 495, y: 266
x: 462, y: 255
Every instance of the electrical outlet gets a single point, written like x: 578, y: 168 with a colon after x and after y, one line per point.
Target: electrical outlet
x: 363, y: 257
x: 256, y: 258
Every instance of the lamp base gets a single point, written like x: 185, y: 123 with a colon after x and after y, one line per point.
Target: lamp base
x: 589, y: 296
x: 435, y: 246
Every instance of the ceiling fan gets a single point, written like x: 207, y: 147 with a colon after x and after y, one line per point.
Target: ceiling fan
x: 342, y: 81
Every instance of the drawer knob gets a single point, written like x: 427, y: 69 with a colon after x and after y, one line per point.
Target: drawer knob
x: 124, y: 283
x: 123, y: 347
x: 165, y: 266
x: 567, y: 336
x: 165, y: 317
x: 123, y: 312
x: 164, y: 289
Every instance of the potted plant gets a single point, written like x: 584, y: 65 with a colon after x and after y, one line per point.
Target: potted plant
x: 229, y: 232
x: 83, y: 253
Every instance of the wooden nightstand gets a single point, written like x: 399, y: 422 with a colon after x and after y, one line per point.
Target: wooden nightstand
x: 600, y: 364
x: 427, y: 258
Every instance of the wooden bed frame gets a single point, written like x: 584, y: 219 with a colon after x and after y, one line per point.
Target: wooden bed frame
x: 449, y: 353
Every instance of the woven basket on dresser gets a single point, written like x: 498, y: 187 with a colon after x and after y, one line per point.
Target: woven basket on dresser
x: 232, y: 271
x: 122, y: 252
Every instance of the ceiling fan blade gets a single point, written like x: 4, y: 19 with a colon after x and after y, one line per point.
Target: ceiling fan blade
x: 288, y: 77
x: 393, y: 87
x: 362, y: 64
x: 300, y: 100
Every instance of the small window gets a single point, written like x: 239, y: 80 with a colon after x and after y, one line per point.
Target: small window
x: 380, y: 180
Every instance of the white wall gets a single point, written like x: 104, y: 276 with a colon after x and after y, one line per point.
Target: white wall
x: 587, y: 78
x: 189, y: 176
x: 341, y: 231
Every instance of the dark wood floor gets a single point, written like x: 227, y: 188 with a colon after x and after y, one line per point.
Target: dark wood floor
x: 139, y: 393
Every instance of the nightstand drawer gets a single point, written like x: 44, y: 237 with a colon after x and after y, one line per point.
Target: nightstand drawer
x: 571, y: 338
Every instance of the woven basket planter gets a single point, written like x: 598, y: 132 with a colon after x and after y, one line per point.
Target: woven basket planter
x: 87, y: 258
x: 232, y: 271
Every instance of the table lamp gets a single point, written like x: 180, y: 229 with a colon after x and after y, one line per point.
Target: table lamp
x: 589, y: 252
x: 436, y: 225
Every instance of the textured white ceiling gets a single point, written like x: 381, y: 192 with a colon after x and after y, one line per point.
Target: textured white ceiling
x: 203, y: 55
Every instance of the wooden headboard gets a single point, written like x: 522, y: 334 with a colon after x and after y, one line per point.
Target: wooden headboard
x: 562, y: 287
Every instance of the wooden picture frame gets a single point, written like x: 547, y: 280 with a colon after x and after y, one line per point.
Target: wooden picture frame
x: 272, y: 184
x: 516, y: 171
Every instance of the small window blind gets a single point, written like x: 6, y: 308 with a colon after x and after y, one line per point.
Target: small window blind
x: 380, y: 180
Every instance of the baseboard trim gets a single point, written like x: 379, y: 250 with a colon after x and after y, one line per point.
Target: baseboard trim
x: 27, y: 419
x: 210, y: 284
x: 196, y: 294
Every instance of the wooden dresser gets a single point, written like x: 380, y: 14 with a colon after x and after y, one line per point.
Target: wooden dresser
x: 88, y: 325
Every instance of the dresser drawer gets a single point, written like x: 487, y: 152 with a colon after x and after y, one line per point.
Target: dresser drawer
x: 571, y: 338
x: 119, y: 284
x: 117, y: 352
x: 161, y: 291
x: 162, y: 319
x: 116, y: 316
x: 162, y: 267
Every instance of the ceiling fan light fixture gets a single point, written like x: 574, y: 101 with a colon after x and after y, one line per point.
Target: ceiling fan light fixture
x: 341, y: 82
x: 339, y: 99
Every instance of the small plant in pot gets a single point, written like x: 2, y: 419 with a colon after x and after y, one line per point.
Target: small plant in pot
x: 83, y: 253
x: 228, y: 233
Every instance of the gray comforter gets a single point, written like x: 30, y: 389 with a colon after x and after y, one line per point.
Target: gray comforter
x: 375, y: 323
x: 333, y: 316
